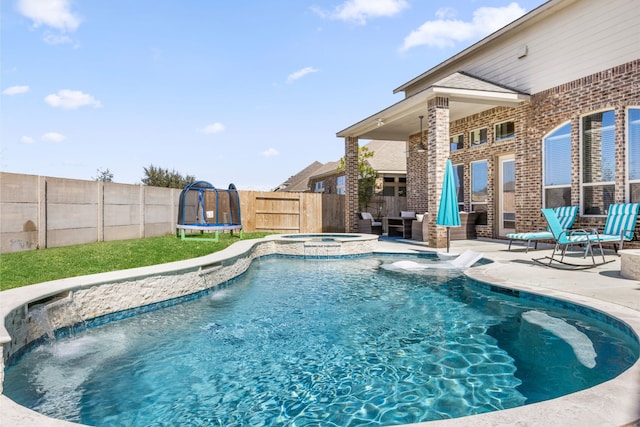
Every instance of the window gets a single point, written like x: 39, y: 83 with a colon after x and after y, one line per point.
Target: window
x: 341, y: 185
x: 478, y: 137
x: 458, y: 174
x: 557, y: 167
x: 456, y: 142
x: 598, y: 162
x: 394, y: 186
x: 479, y: 185
x: 633, y: 153
x: 504, y: 131
x: 319, y: 187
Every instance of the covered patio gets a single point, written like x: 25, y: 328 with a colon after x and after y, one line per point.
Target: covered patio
x: 422, y: 119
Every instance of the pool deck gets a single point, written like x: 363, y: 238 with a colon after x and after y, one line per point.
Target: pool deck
x: 614, y: 403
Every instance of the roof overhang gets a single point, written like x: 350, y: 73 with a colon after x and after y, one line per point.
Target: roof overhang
x: 400, y: 120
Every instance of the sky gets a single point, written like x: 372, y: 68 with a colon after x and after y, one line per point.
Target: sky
x: 248, y: 92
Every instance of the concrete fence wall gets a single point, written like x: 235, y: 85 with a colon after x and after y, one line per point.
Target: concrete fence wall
x: 44, y: 212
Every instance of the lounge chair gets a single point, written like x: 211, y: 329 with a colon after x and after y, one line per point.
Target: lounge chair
x: 566, y: 238
x: 621, y: 224
x: 566, y: 215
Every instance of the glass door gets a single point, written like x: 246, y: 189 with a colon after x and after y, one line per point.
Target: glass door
x: 507, y: 192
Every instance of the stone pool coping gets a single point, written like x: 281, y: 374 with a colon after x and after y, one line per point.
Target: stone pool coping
x: 613, y: 403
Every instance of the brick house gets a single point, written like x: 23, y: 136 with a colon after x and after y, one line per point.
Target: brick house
x: 389, y: 160
x: 544, y: 112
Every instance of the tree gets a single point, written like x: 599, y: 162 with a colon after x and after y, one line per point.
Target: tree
x: 104, y: 175
x: 367, y: 176
x: 160, y: 177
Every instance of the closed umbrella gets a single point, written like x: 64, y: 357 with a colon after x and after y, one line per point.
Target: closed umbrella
x: 448, y: 214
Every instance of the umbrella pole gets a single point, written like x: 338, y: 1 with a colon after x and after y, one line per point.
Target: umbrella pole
x: 448, y: 229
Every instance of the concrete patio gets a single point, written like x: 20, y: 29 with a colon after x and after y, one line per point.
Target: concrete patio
x: 614, y: 403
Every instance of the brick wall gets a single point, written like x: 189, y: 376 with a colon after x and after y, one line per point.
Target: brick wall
x: 616, y: 88
x: 613, y: 89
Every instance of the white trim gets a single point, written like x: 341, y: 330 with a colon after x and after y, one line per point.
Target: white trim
x: 627, y: 139
x: 502, y: 230
x: 544, y: 169
x: 471, y: 202
x: 582, y: 184
x: 412, y: 106
x: 455, y: 167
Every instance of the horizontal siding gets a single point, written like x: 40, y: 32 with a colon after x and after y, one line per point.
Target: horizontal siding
x: 583, y: 38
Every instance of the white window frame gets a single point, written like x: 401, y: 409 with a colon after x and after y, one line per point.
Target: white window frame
x: 628, y: 178
x: 319, y: 187
x: 479, y: 132
x: 460, y: 204
x: 583, y: 184
x: 341, y: 184
x: 497, y: 137
x: 544, y: 169
x: 471, y: 202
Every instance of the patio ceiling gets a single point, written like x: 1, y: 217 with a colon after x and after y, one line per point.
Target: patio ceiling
x: 467, y: 95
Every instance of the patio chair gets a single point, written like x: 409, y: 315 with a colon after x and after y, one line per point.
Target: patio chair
x: 566, y: 215
x: 566, y: 238
x: 621, y: 224
x: 375, y: 227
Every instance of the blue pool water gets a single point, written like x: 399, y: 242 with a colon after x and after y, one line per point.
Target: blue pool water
x: 321, y: 342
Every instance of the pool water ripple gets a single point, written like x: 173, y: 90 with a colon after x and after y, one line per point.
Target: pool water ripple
x: 323, y: 342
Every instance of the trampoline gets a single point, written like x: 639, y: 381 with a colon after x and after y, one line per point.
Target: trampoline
x: 205, y: 208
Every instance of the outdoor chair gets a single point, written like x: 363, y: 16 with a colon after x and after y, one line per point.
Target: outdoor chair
x: 374, y: 226
x: 621, y: 224
x: 566, y: 216
x: 566, y: 238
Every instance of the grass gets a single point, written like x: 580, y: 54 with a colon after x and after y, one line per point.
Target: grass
x: 25, y: 268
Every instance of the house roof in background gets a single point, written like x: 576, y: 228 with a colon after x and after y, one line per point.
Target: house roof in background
x: 300, y: 181
x: 328, y: 169
x: 389, y: 156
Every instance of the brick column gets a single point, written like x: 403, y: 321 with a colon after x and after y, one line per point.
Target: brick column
x: 417, y: 178
x: 351, y: 205
x: 439, y: 150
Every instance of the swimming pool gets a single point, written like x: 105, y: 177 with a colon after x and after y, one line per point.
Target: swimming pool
x: 449, y: 347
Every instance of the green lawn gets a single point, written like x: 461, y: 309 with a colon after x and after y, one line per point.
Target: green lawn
x: 29, y: 267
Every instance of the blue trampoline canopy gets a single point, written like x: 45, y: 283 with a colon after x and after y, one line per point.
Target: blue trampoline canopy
x: 203, y: 207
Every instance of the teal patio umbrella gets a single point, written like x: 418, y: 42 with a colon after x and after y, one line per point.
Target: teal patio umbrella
x: 448, y: 214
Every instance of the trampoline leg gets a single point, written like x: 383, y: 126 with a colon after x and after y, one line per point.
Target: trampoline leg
x: 217, y: 236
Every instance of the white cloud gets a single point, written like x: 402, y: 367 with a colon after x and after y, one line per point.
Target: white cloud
x: 52, y: 13
x: 71, y: 99
x: 447, y: 31
x: 213, y: 128
x: 54, y: 39
x: 53, y: 137
x: 15, y: 90
x: 359, y: 11
x: 300, y: 73
x: 270, y: 152
x: 27, y: 140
